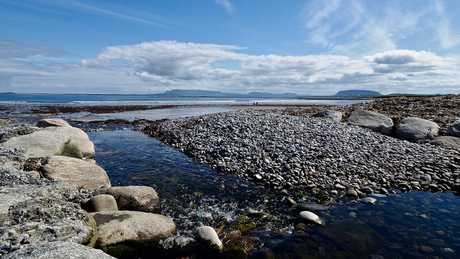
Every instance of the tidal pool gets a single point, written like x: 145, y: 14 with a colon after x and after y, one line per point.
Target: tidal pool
x: 402, y: 225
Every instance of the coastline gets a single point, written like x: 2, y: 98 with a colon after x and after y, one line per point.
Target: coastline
x: 402, y: 180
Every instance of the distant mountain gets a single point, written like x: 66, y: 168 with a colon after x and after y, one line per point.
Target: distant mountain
x: 207, y: 93
x: 357, y: 93
x: 7, y: 93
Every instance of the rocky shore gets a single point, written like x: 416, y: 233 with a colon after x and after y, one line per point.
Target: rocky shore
x: 322, y: 155
x: 55, y: 200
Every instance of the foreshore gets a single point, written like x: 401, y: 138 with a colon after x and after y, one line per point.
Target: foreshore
x: 287, y: 149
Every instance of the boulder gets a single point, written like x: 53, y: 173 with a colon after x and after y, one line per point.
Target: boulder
x: 310, y: 217
x: 75, y: 171
x: 3, y: 123
x: 23, y: 192
x: 454, y: 129
x: 16, y: 131
x: 50, y: 122
x: 79, y: 140
x: 120, y: 231
x: 330, y: 115
x: 371, y: 120
x: 102, y: 202
x: 56, y: 250
x: 447, y: 142
x: 137, y: 198
x: 41, y: 143
x: 209, y: 239
x: 39, y: 220
x: 415, y: 129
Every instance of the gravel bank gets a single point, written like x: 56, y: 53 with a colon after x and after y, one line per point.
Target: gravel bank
x: 285, y: 151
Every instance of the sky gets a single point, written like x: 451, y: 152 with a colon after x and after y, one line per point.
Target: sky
x: 316, y: 47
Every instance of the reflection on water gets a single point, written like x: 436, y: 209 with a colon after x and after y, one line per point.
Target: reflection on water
x: 409, y: 225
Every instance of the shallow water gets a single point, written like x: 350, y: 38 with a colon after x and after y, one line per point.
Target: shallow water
x: 409, y: 225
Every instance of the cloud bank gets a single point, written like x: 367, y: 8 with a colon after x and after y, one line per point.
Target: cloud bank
x: 162, y: 65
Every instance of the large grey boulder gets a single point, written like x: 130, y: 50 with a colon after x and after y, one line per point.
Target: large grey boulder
x: 58, y: 250
x: 52, y: 140
x: 39, y: 220
x: 99, y: 203
x: 137, y: 198
x: 330, y: 115
x: 79, y: 140
x: 22, y: 192
x: 76, y: 171
x: 371, y: 120
x: 415, y: 129
x: 10, y: 132
x: 50, y: 122
x: 120, y: 231
x: 209, y: 239
x: 454, y: 129
x: 41, y: 143
x: 447, y: 142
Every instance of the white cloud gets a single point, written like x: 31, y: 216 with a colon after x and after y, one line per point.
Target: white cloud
x: 227, y: 5
x: 359, y: 28
x: 163, y: 65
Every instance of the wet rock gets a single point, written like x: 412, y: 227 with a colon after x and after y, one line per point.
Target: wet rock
x: 102, y: 202
x: 426, y: 249
x: 354, y: 236
x: 209, y: 239
x: 310, y: 217
x: 76, y: 171
x: 352, y: 194
x: 415, y: 129
x: 57, y: 250
x: 50, y: 122
x: 368, y: 200
x: 120, y: 231
x: 45, y: 219
x: 330, y: 115
x: 371, y: 120
x: 137, y: 198
x: 454, y: 129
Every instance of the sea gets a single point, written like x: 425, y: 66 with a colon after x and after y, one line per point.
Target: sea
x: 414, y: 224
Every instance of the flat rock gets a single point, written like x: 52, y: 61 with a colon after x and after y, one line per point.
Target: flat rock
x: 39, y: 220
x: 41, y: 143
x: 209, y: 239
x: 23, y: 192
x: 454, y: 129
x: 415, y: 129
x: 76, y: 171
x: 329, y: 115
x: 121, y: 231
x: 56, y: 250
x: 43, y: 123
x: 446, y: 142
x: 371, y: 120
x: 137, y: 198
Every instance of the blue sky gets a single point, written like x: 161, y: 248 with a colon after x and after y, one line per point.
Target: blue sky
x: 305, y: 47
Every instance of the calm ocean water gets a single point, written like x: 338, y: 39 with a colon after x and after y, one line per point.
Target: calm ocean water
x: 147, y: 99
